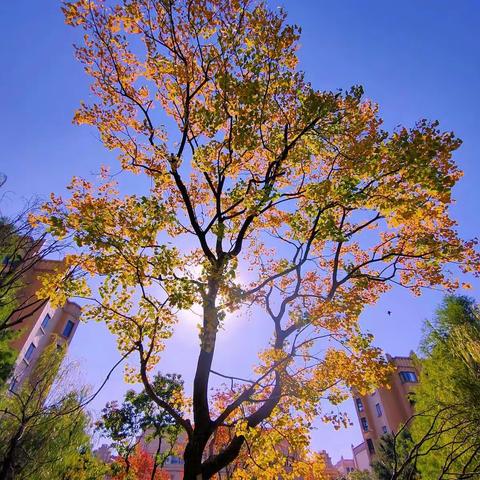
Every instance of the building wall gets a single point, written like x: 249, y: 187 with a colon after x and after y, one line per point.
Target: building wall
x: 31, y: 330
x: 345, y: 465
x: 387, y: 408
x: 174, y: 463
x: 361, y: 457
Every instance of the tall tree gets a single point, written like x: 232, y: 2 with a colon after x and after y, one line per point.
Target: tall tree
x: 392, y: 461
x: 358, y: 475
x: 447, y: 428
x: 42, y: 425
x: 8, y: 356
x: 267, y: 196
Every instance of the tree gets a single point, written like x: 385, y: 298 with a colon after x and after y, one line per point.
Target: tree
x: 392, y: 459
x: 447, y: 428
x: 22, y: 248
x: 315, y: 467
x: 443, y: 436
x: 277, y: 448
x: 42, y: 426
x: 359, y: 475
x: 8, y: 356
x: 83, y: 466
x: 267, y: 197
x: 141, y: 467
x: 140, y: 418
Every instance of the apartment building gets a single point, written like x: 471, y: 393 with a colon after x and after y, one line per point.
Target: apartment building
x: 386, y: 409
x: 345, y: 466
x: 43, y: 325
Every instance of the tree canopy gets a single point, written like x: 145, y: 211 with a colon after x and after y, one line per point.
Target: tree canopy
x: 392, y: 460
x: 446, y: 430
x: 266, y: 196
x: 442, y: 439
x: 141, y: 467
x: 43, y: 428
x: 139, y: 419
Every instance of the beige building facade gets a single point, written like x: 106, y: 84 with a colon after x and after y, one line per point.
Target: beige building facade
x: 43, y: 325
x: 345, y: 466
x: 386, y: 409
x: 174, y: 462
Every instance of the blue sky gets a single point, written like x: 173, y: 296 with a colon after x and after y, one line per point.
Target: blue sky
x: 416, y: 59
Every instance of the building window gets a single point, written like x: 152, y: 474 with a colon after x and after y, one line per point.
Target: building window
x: 370, y: 445
x: 384, y: 429
x: 45, y: 321
x: 408, y: 377
x: 13, y: 384
x: 364, y: 424
x: 28, y: 354
x: 68, y: 329
x: 379, y: 410
x: 175, y: 460
x: 359, y: 403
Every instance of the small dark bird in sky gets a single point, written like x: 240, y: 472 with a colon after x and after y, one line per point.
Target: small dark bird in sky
x: 389, y: 312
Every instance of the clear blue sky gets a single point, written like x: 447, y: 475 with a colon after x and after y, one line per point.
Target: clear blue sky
x: 416, y: 59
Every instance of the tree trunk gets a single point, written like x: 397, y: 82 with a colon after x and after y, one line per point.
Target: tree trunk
x: 7, y: 471
x: 192, y: 457
x: 155, y: 460
x: 193, y: 454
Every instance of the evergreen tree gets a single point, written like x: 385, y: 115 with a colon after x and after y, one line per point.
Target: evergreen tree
x: 358, y: 475
x: 8, y: 355
x: 392, y: 459
x: 43, y: 429
x: 446, y: 429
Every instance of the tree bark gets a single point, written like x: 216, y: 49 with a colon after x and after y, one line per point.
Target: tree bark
x: 203, y: 427
x: 7, y: 471
x: 193, y: 461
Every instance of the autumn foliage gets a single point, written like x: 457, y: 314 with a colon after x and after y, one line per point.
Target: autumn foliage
x: 266, y: 198
x: 141, y: 465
